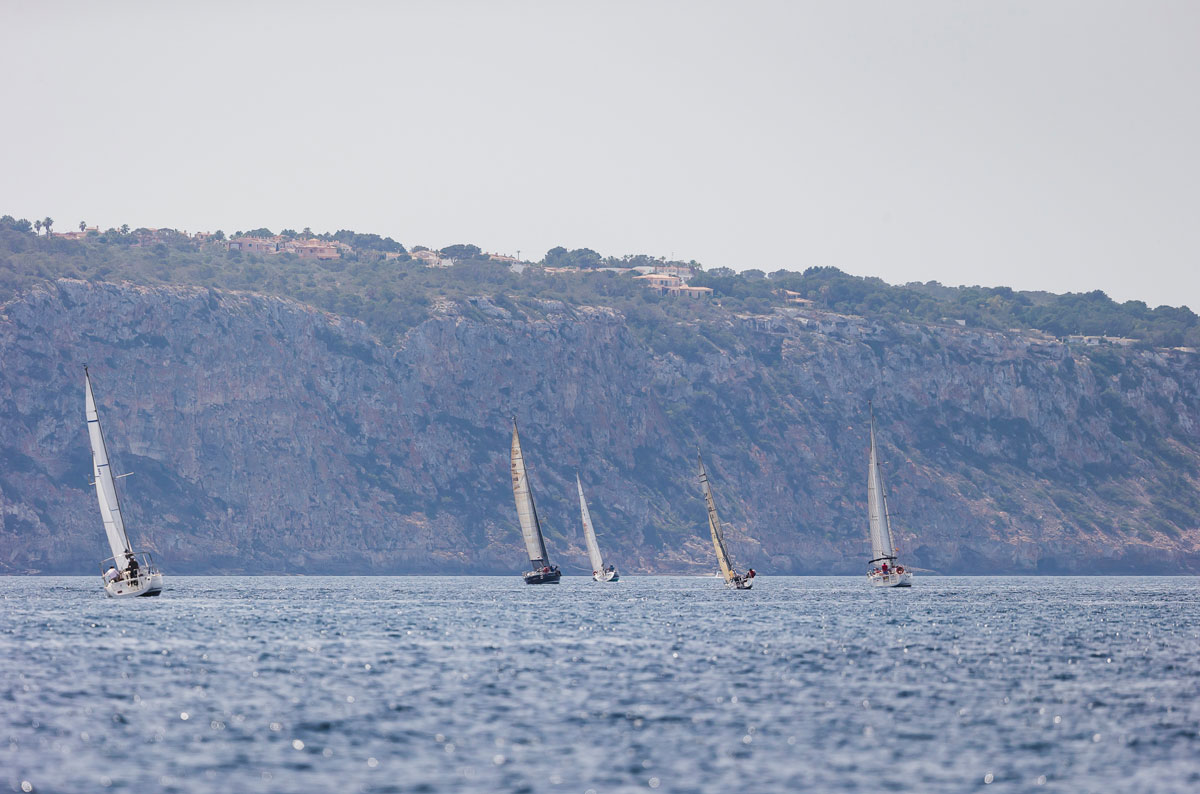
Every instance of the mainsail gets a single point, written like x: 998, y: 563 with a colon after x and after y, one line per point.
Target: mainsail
x: 714, y: 525
x: 589, y: 532
x: 882, y: 546
x: 531, y: 528
x: 106, y: 488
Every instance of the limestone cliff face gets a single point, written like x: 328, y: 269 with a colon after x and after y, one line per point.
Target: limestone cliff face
x: 265, y: 435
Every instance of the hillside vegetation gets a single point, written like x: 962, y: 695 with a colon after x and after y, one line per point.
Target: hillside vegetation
x: 381, y: 285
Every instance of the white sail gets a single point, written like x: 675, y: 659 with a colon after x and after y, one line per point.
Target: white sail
x: 882, y: 547
x: 531, y: 528
x: 589, y: 532
x: 106, y: 488
x: 714, y: 525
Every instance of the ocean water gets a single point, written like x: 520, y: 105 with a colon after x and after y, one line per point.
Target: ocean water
x: 675, y: 684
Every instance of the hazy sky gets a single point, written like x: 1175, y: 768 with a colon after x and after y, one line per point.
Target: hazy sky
x: 1041, y: 145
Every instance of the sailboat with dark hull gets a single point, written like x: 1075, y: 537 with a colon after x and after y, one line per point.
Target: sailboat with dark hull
x: 883, y: 570
x: 531, y: 528
x: 126, y: 573
x: 724, y: 559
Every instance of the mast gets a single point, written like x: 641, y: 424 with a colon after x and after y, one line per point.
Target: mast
x: 531, y: 528
x: 106, y: 487
x: 714, y: 524
x: 882, y: 545
x: 589, y: 532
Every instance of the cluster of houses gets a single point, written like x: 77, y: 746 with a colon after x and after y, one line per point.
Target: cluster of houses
x: 304, y: 249
x: 664, y: 279
x: 142, y: 235
x: 309, y: 248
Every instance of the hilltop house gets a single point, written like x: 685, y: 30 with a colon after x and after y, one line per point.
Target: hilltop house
x: 684, y: 272
x: 77, y: 235
x: 254, y: 245
x: 304, y: 249
x: 794, y: 298
x: 672, y: 285
x: 431, y: 258
x: 313, y: 249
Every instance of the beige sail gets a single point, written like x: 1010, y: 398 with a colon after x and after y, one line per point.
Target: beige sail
x: 531, y: 528
x: 714, y: 525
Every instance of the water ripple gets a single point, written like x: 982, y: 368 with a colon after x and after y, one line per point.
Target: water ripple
x: 290, y: 684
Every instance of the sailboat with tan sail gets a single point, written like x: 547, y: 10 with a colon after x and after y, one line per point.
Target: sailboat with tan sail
x: 724, y: 560
x: 531, y: 528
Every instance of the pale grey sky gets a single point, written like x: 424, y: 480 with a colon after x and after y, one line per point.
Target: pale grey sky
x: 1040, y: 145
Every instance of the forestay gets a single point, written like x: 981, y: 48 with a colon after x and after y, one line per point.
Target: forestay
x: 531, y: 528
x: 714, y: 525
x: 882, y: 547
x: 106, y: 488
x: 589, y: 532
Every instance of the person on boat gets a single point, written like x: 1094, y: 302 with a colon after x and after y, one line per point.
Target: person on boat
x: 111, y: 574
x: 611, y: 568
x: 751, y: 574
x: 885, y: 569
x: 133, y: 568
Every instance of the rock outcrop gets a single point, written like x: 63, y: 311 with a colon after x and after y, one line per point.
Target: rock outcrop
x: 266, y: 436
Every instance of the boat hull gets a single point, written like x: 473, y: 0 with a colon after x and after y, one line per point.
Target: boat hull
x: 149, y: 585
x: 890, y: 579
x: 542, y: 577
x: 606, y: 576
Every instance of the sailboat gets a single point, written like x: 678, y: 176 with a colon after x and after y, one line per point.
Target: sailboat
x: 600, y: 572
x: 728, y: 571
x: 126, y: 573
x: 542, y: 572
x: 884, y: 572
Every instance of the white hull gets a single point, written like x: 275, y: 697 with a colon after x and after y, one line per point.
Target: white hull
x: 890, y: 579
x: 149, y: 585
x: 606, y: 576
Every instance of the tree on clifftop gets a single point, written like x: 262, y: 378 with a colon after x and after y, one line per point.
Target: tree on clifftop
x: 581, y: 257
x: 462, y: 251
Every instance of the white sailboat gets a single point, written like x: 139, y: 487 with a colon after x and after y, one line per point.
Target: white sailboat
x: 728, y: 571
x: 531, y: 529
x: 600, y: 572
x: 883, y: 572
x: 126, y: 573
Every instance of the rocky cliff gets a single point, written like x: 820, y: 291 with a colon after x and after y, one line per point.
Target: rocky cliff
x: 266, y: 436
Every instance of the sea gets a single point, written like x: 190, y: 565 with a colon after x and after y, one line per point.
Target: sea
x: 673, y: 684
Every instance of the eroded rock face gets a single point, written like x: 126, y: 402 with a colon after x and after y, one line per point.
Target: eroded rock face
x: 267, y: 436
